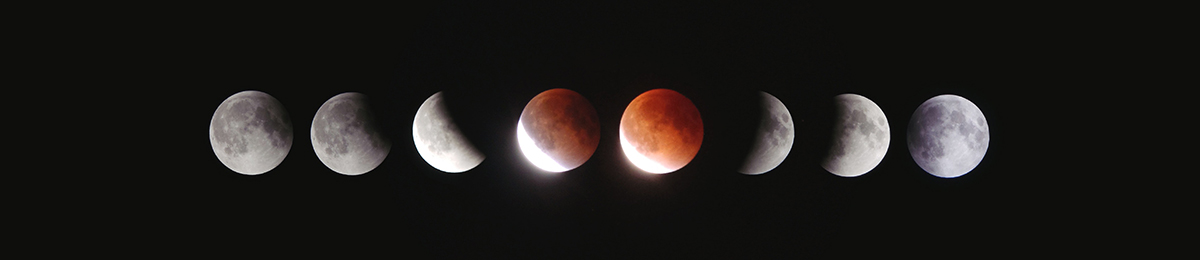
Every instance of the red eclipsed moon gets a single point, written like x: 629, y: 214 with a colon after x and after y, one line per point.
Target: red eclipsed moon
x: 558, y: 130
x: 661, y: 131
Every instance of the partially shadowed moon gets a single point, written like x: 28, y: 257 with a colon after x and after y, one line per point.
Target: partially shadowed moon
x: 558, y: 130
x: 948, y: 136
x: 439, y: 140
x: 250, y: 132
x: 661, y: 131
x: 860, y: 137
x: 774, y: 139
x: 346, y: 137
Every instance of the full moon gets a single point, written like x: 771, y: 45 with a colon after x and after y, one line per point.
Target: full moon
x: 948, y: 136
x: 661, y: 131
x: 558, y: 130
x: 774, y: 139
x: 345, y: 135
x: 250, y: 132
x: 860, y: 137
x: 439, y: 140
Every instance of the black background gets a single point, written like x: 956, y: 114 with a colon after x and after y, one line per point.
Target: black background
x: 490, y: 59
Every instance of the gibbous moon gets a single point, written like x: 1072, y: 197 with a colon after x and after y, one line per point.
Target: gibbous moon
x: 774, y: 139
x: 345, y: 135
x: 439, y: 140
x: 250, y: 132
x: 558, y: 130
x: 948, y: 136
x: 661, y: 131
x: 860, y: 137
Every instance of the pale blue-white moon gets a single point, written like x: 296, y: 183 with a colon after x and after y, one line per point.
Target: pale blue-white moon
x: 948, y: 136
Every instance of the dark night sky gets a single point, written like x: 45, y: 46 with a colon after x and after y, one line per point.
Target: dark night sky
x: 492, y: 58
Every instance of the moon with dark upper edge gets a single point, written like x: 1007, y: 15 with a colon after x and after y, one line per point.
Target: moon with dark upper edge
x: 558, y: 130
x: 346, y: 137
x: 439, y: 140
x: 861, y: 135
x: 948, y: 136
x: 773, y: 142
x: 251, y: 132
x: 661, y: 131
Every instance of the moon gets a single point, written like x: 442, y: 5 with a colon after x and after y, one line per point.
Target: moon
x: 661, y: 131
x: 250, y: 132
x: 860, y: 137
x: 948, y: 136
x: 558, y: 130
x: 439, y: 140
x: 774, y: 139
x: 346, y: 137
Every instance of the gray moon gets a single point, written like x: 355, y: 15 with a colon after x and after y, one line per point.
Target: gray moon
x: 346, y: 137
x: 439, y: 140
x: 250, y: 132
x: 948, y: 136
x: 774, y: 139
x: 860, y: 137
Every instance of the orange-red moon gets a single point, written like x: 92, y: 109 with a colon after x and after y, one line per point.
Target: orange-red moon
x: 564, y: 126
x: 661, y: 131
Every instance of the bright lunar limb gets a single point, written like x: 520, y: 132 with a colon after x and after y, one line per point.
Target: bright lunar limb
x: 558, y: 130
x: 860, y: 137
x: 250, y: 132
x: 346, y: 137
x: 948, y: 136
x: 439, y: 140
x: 661, y: 131
x: 534, y: 154
x: 774, y: 139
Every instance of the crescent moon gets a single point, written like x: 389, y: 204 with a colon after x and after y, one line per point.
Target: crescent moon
x: 773, y: 142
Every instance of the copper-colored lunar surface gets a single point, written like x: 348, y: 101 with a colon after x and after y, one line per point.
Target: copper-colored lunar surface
x: 563, y: 125
x: 661, y: 131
